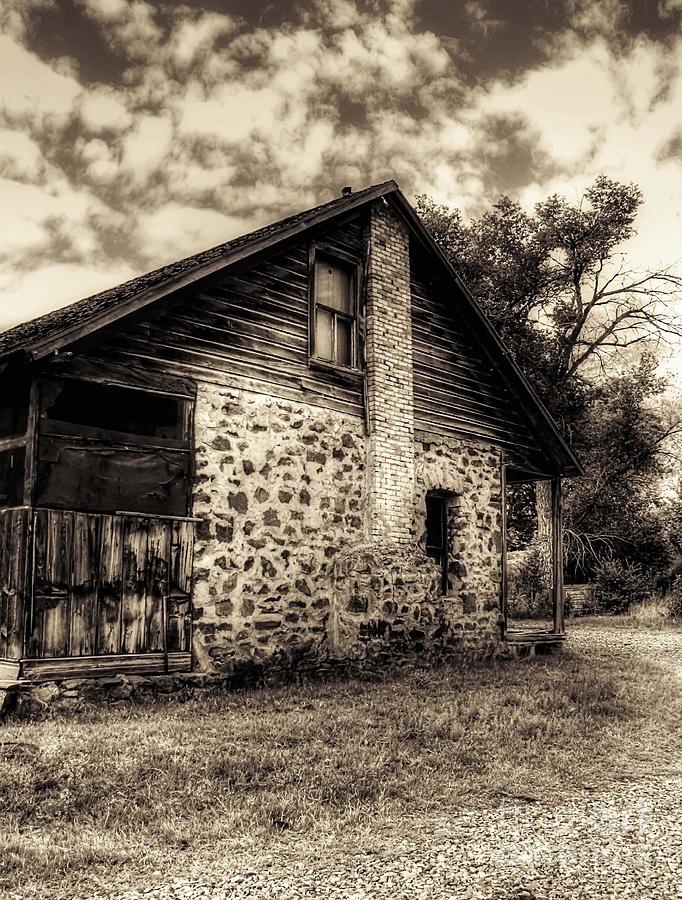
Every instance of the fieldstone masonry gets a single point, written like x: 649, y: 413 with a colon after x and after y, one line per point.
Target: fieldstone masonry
x: 310, y: 546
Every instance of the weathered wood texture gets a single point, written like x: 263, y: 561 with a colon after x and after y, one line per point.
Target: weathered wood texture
x: 14, y: 580
x: 251, y: 325
x: 457, y: 391
x: 109, y: 584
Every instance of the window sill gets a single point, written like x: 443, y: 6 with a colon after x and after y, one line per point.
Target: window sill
x: 353, y: 376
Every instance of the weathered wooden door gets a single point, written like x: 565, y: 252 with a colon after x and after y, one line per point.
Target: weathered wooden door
x: 110, y: 584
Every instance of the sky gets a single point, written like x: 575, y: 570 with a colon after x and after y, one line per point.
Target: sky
x: 133, y: 133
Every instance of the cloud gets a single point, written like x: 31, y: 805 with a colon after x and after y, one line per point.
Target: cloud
x: 31, y: 88
x: 217, y: 127
x: 101, y: 110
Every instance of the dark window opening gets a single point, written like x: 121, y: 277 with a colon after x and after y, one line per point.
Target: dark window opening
x: 437, y: 535
x: 12, y: 470
x: 14, y: 402
x: 105, y: 448
x: 114, y: 408
x: 335, y: 312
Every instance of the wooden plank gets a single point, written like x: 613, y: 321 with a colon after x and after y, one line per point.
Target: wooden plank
x: 282, y: 388
x: 116, y: 664
x: 134, y: 584
x: 86, y: 547
x: 179, y: 606
x: 5, y: 559
x: 158, y: 582
x: 557, y: 557
x: 53, y: 579
x: 14, y: 549
x: 104, y: 371
x: 31, y: 443
x: 17, y: 584
x: 9, y: 672
x: 110, y: 585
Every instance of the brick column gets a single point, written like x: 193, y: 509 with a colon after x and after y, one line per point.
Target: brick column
x: 389, y: 377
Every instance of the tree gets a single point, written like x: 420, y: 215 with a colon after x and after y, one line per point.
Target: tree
x: 557, y: 286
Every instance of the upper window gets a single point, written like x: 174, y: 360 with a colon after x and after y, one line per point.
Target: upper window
x: 437, y: 535
x: 334, y: 333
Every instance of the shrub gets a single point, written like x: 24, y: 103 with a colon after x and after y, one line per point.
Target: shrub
x: 619, y: 584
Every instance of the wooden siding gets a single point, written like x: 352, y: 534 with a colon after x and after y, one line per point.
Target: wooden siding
x: 14, y: 575
x: 109, y: 584
x: 457, y: 391
x: 251, y: 325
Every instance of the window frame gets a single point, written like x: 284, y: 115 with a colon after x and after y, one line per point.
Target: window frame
x: 443, y: 558
x: 334, y: 255
x: 102, y: 439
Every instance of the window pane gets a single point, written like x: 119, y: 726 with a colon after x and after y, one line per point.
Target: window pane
x: 323, y: 334
x: 114, y: 408
x: 333, y: 285
x: 344, y: 348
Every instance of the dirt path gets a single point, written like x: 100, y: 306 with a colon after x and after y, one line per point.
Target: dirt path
x: 625, y: 841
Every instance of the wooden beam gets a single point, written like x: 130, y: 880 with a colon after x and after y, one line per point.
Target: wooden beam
x: 95, y: 666
x: 31, y: 443
x: 504, y: 573
x: 557, y: 557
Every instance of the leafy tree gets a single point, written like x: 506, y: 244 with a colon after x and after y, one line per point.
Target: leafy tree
x: 557, y: 286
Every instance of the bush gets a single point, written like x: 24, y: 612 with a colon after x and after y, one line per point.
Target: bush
x: 619, y: 584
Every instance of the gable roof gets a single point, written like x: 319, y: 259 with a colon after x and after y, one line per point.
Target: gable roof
x: 43, y: 336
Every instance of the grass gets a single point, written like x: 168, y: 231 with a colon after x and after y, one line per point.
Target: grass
x: 118, y: 796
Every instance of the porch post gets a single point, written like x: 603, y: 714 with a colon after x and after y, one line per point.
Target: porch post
x: 557, y: 557
x: 503, y: 561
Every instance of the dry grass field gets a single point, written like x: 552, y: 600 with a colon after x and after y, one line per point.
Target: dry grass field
x: 107, y: 800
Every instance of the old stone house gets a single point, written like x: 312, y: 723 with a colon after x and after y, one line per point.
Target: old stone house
x: 287, y: 450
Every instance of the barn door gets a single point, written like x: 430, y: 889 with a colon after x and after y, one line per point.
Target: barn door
x: 110, y: 584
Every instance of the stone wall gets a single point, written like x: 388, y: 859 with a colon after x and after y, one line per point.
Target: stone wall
x: 280, y: 489
x: 387, y: 600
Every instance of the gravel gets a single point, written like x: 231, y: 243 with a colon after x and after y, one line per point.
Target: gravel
x: 624, y: 841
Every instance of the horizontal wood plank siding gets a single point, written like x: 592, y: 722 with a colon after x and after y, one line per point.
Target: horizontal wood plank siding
x: 457, y: 392
x: 250, y: 325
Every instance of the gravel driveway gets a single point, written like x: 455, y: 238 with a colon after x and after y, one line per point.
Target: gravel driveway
x: 625, y: 841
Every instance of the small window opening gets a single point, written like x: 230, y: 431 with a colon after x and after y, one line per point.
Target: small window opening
x: 437, y: 535
x: 14, y: 401
x: 335, y: 315
x: 113, y: 408
x: 12, y: 471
